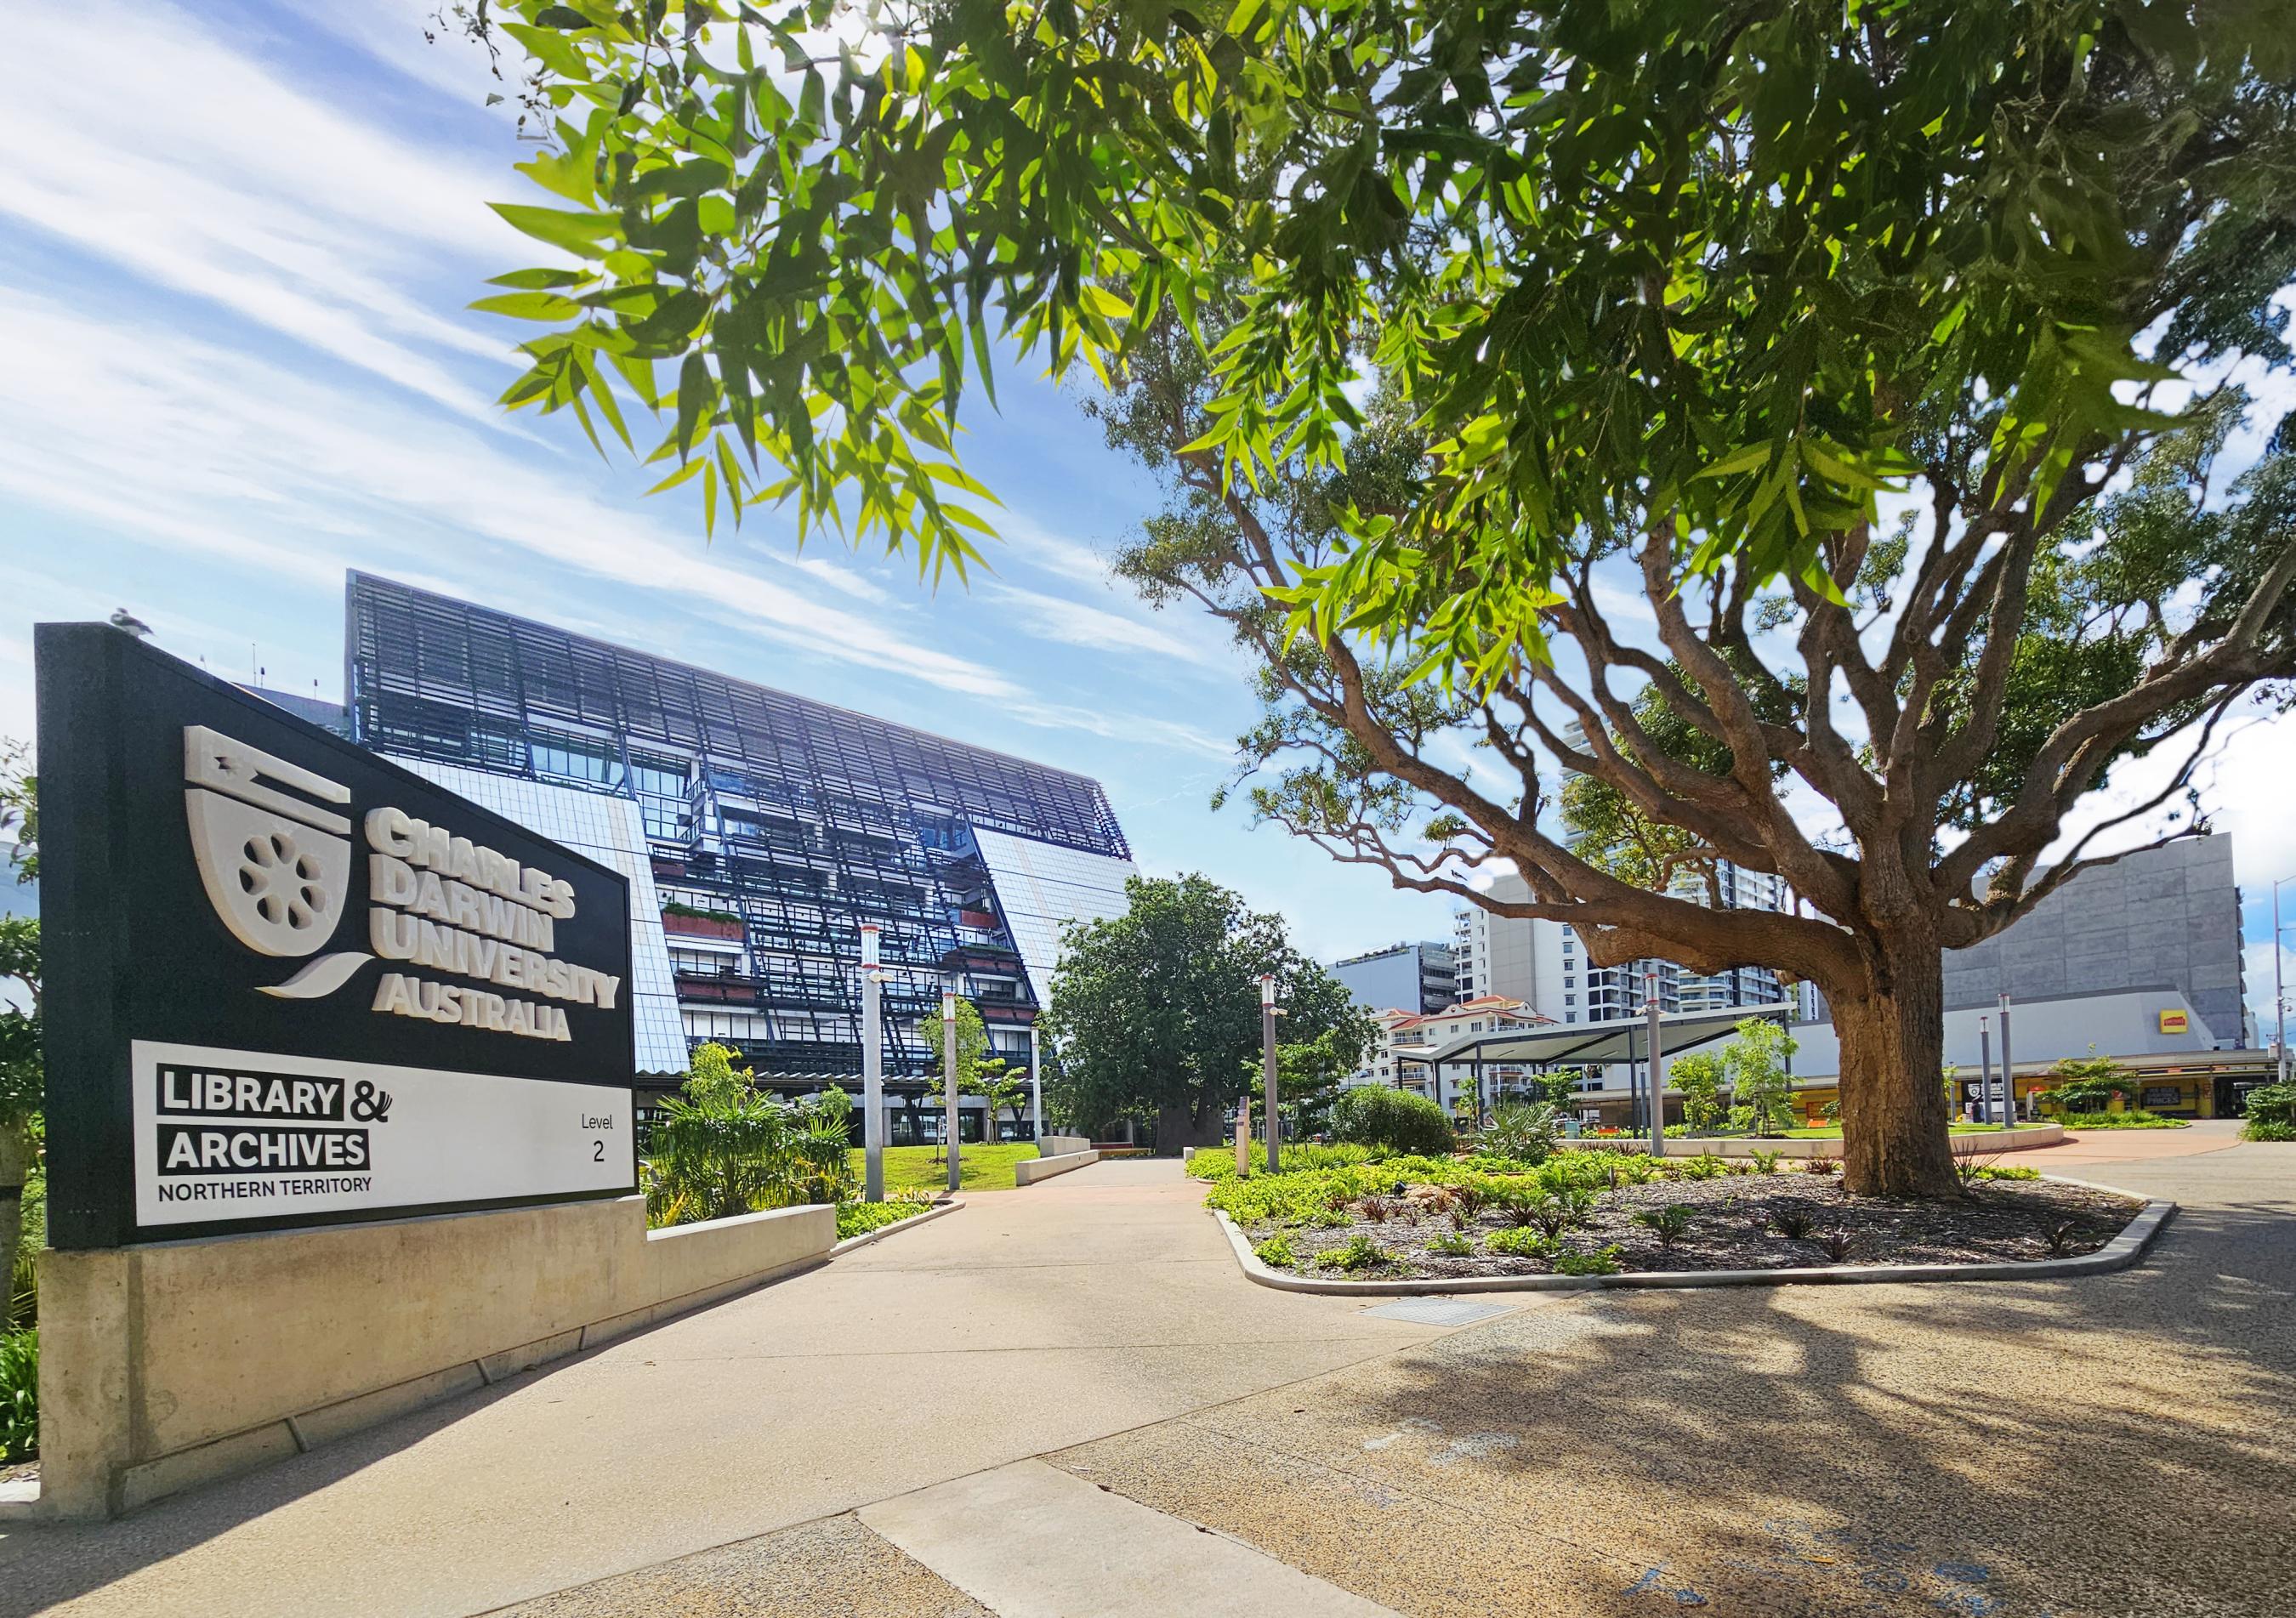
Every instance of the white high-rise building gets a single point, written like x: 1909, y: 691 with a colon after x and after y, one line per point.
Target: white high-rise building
x: 1542, y: 962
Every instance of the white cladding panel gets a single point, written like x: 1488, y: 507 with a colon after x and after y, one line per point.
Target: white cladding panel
x: 1041, y: 888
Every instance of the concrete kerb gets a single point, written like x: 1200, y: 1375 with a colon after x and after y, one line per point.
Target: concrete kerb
x: 2122, y: 1251
x: 944, y: 1204
x: 2024, y: 1137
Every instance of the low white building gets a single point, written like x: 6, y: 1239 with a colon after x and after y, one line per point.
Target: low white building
x: 1406, y: 1038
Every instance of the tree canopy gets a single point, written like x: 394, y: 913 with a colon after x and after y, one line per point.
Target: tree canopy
x: 1155, y: 1013
x: 1749, y: 408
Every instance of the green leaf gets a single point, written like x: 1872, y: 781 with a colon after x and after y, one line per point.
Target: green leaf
x: 578, y: 234
x: 528, y: 306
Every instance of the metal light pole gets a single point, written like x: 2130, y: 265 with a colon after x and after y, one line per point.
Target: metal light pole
x: 1035, y: 1089
x: 1985, y: 1059
x: 948, y: 1079
x: 2279, y: 992
x: 872, y: 1069
x: 1268, y: 1067
x: 2008, y: 1068
x: 1657, y: 1089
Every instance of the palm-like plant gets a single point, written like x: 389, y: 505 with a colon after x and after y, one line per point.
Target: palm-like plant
x: 723, y: 1148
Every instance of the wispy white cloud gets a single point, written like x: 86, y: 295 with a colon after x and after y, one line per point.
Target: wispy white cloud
x: 1126, y: 727
x: 1073, y: 623
x: 162, y: 436
x: 229, y: 185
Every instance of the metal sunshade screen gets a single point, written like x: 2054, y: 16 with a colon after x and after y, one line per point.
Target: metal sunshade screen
x: 776, y: 825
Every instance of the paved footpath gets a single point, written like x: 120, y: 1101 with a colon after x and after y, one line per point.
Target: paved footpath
x: 1028, y: 1321
x: 1065, y: 1403
x: 2120, y: 1445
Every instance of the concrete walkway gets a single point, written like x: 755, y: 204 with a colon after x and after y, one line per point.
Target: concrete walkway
x: 844, y: 1445
x: 1030, y: 1321
x: 2118, y: 1445
x: 2088, y: 1145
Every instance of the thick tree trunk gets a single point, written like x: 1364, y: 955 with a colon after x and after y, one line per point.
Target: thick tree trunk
x: 1894, y: 1119
x: 1179, y: 1126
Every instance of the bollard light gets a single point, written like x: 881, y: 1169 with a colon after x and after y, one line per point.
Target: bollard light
x: 873, y: 1069
x: 1267, y: 1015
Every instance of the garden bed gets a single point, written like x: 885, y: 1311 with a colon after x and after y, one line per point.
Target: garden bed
x: 1449, y: 1222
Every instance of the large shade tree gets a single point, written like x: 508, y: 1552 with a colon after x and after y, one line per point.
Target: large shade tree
x: 1155, y: 1013
x: 1698, y: 292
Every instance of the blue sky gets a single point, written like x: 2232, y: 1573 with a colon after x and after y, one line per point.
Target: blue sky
x: 235, y: 248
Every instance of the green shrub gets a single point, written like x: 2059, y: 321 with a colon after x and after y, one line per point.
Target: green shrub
x: 2136, y: 1117
x: 20, y: 1394
x: 1563, y: 1208
x: 1275, y: 1253
x: 1766, y: 1163
x: 1791, y: 1222
x: 1356, y: 1252
x: 1296, y: 1196
x: 860, y: 1218
x: 1520, y: 1243
x: 1603, y: 1260
x: 1706, y: 1166
x: 2271, y: 1114
x: 1371, y: 1114
x: 1218, y: 1161
x: 2006, y: 1171
x: 1669, y: 1223
x: 721, y: 1148
x: 1517, y: 1201
x: 1520, y: 1132
x: 1452, y: 1244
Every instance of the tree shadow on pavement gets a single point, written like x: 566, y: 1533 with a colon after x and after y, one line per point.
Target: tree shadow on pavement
x: 2112, y: 1444
x: 45, y: 1564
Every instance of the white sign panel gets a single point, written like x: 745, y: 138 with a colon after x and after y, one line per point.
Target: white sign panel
x: 225, y: 1135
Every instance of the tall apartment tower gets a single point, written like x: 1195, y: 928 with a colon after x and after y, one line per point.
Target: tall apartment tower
x: 1415, y: 977
x: 1542, y: 962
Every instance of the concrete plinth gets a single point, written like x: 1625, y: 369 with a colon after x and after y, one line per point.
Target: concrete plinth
x: 167, y: 1364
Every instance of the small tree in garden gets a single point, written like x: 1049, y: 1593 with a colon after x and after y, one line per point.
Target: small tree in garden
x: 1700, y: 1075
x: 1000, y: 1089
x: 973, y: 1058
x: 2090, y: 1083
x: 1756, y: 1061
x: 1310, y: 1073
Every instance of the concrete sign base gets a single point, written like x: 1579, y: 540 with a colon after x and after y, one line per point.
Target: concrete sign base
x: 170, y: 1364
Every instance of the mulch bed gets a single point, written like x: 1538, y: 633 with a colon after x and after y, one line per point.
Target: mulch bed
x: 1734, y: 1228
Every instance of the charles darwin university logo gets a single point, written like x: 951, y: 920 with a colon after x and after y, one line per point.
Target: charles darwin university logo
x: 275, y: 857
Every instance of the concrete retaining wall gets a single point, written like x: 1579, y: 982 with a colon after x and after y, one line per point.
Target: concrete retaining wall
x: 1974, y: 1145
x: 168, y: 1364
x: 1060, y: 1146
x: 1030, y: 1169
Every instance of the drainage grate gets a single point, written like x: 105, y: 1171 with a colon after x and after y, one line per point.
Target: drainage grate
x: 1440, y: 1311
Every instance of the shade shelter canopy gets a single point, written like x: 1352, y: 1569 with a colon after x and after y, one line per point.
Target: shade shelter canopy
x: 1619, y: 1039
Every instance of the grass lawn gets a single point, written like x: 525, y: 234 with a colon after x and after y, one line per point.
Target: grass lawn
x: 985, y: 1168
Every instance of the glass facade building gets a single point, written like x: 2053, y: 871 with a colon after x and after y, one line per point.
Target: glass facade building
x: 774, y: 827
